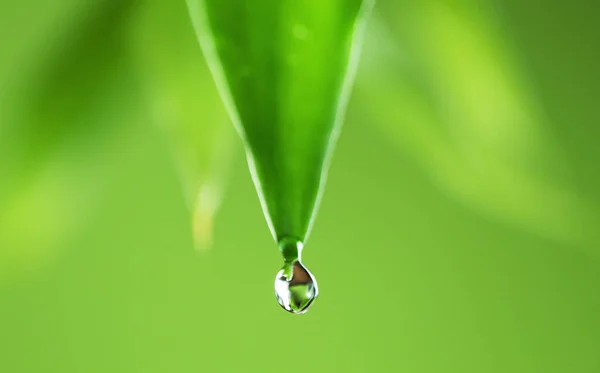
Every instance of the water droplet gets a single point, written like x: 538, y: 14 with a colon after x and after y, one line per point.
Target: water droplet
x: 295, y: 287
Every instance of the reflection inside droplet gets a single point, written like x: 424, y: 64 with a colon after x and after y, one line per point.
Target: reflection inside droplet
x: 295, y: 287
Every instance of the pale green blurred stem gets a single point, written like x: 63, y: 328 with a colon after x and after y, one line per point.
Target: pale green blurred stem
x: 182, y: 100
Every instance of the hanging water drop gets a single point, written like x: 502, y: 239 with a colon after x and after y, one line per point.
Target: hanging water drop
x: 295, y: 287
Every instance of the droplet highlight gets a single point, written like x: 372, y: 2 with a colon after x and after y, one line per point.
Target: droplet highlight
x: 300, y: 31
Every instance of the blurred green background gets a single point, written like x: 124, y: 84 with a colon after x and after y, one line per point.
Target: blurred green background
x: 459, y: 231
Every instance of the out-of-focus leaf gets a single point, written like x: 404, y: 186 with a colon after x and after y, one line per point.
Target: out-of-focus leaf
x: 443, y: 81
x: 56, y: 143
x: 31, y: 29
x: 183, y: 100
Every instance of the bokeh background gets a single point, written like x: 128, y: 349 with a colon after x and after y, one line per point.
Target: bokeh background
x: 459, y: 231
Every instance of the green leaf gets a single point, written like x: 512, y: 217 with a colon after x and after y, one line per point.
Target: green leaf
x: 284, y: 68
